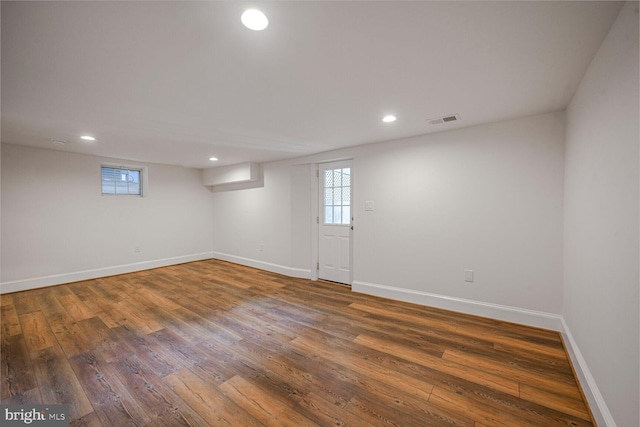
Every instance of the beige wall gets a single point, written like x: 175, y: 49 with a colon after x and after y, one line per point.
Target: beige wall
x: 486, y: 198
x: 601, y: 278
x: 56, y: 226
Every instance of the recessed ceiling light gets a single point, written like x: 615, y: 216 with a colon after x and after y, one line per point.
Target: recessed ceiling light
x: 87, y: 138
x: 59, y: 141
x: 389, y: 118
x: 254, y: 20
x: 213, y: 159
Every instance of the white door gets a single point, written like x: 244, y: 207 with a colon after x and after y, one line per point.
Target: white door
x: 334, y: 240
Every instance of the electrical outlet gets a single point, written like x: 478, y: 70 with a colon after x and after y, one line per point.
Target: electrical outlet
x: 260, y: 247
x: 468, y: 275
x: 136, y: 248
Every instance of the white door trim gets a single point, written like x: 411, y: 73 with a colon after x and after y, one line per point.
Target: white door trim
x: 315, y: 218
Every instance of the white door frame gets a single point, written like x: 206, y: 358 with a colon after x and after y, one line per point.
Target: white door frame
x: 316, y: 215
x: 315, y: 221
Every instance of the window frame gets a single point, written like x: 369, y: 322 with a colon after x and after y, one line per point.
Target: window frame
x: 340, y: 206
x: 142, y: 170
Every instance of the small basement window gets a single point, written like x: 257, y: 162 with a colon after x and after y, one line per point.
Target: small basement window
x: 121, y: 181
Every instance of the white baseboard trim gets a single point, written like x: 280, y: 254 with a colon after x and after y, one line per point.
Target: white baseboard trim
x: 522, y: 316
x: 263, y: 265
x: 58, y: 279
x: 599, y: 408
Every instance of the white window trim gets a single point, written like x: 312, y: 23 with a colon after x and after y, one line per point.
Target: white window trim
x: 323, y: 202
x: 144, y: 184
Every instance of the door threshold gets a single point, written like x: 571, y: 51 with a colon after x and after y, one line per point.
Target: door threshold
x: 334, y: 283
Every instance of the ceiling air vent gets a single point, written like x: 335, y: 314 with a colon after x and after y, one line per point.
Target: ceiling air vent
x: 445, y: 119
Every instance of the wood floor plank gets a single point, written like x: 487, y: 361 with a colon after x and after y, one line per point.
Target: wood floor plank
x: 208, y: 401
x: 87, y: 293
x: 207, y: 363
x: 300, y: 380
x: 378, y: 401
x: 408, y: 384
x: 76, y: 307
x: 558, y: 367
x: 368, y: 384
x: 325, y: 413
x: 156, y: 299
x: 103, y: 339
x: 488, y: 416
x: 497, y: 408
x: 89, y: 420
x: 36, y: 330
x: 568, y: 403
x: 132, y: 312
x: 414, y: 319
x: 106, y: 289
x: 510, y: 369
x: 58, y: 384
x: 68, y: 335
x: 156, y: 357
x: 161, y: 404
x: 25, y: 302
x: 263, y: 407
x: 207, y: 328
x: 10, y: 321
x: 29, y: 397
x: 211, y: 343
x: 398, y: 413
x: 113, y: 403
x: 16, y: 370
x: 6, y: 300
x: 462, y: 371
x: 544, y: 347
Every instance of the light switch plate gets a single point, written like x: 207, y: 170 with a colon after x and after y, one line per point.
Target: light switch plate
x: 468, y: 275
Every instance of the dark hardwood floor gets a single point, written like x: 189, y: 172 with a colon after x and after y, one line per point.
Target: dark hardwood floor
x: 214, y: 343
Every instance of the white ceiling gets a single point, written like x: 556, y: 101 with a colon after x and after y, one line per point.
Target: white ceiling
x: 179, y: 82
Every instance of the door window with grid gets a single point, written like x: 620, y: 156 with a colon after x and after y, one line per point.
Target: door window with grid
x: 337, y: 196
